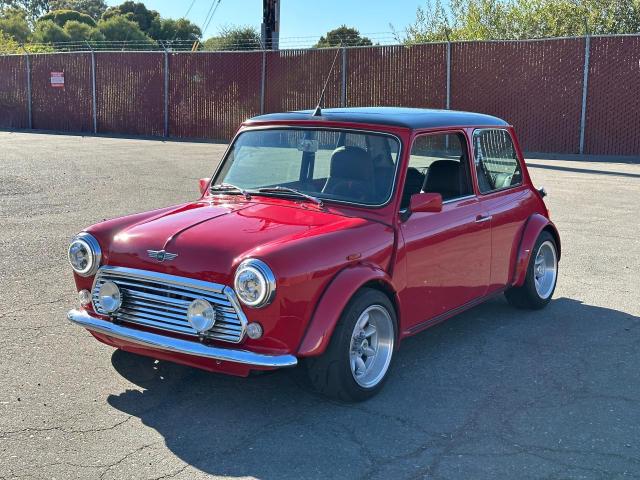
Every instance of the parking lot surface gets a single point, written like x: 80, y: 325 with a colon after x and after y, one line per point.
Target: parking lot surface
x: 492, y: 393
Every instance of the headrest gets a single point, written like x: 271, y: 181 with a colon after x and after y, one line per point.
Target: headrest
x: 443, y: 176
x: 352, y: 163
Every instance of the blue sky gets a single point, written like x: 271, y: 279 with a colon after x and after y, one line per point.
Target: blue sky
x: 298, y: 18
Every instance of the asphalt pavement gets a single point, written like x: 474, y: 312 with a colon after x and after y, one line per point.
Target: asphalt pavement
x: 494, y: 393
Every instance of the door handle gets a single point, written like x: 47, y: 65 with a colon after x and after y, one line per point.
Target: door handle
x: 483, y: 218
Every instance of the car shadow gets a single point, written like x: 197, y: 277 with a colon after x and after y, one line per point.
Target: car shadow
x: 487, y: 381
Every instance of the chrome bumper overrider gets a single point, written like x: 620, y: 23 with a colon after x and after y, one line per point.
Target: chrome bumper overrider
x: 177, y: 345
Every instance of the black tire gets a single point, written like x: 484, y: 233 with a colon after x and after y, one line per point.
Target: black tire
x: 527, y: 296
x: 330, y: 374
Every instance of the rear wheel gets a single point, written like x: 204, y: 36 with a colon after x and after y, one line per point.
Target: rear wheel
x: 356, y: 363
x: 541, y: 277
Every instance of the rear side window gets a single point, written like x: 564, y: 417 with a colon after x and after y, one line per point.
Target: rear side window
x: 496, y: 162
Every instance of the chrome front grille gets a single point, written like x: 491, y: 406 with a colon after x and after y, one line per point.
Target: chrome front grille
x: 160, y: 301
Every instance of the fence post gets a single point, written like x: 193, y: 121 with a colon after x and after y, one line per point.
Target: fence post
x: 585, y: 85
x: 343, y: 98
x: 94, y: 98
x: 448, y: 74
x: 166, y: 92
x: 263, y: 81
x: 29, y: 104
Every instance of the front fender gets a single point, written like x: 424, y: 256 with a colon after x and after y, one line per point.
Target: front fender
x: 333, y: 302
x: 534, y: 226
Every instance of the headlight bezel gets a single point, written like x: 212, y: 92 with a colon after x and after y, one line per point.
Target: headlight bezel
x: 262, y: 270
x: 91, y: 244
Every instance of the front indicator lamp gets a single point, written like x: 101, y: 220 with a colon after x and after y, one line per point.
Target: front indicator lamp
x: 84, y: 297
x: 254, y: 330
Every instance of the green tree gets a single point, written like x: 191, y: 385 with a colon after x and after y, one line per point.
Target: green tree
x: 61, y: 17
x: 8, y: 44
x: 34, y: 8
x: 121, y: 29
x: 13, y: 24
x: 47, y: 31
x: 81, y: 32
x: 93, y: 8
x: 152, y: 24
x: 520, y: 19
x: 343, y: 35
x: 181, y: 29
x: 234, y: 38
x: 147, y: 20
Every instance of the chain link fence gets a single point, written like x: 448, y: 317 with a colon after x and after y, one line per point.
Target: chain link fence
x: 568, y: 95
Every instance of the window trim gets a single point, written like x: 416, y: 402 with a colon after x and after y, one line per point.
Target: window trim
x: 457, y: 131
x: 339, y: 129
x: 475, y: 170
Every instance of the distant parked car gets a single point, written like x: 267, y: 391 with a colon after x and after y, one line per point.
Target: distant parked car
x: 327, y: 239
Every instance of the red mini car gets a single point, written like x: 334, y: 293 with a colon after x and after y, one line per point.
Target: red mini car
x: 325, y: 238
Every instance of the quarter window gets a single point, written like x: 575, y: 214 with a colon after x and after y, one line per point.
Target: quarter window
x: 496, y: 161
x: 438, y: 164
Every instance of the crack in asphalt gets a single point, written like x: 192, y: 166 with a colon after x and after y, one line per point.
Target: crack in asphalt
x: 63, y: 429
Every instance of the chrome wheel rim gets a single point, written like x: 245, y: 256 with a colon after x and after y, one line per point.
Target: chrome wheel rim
x: 371, y: 346
x: 545, y: 269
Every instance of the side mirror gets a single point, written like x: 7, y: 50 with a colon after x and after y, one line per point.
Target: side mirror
x: 425, y: 202
x: 203, y: 183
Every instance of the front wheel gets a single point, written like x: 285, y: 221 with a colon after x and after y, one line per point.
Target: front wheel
x: 356, y: 362
x: 541, y: 277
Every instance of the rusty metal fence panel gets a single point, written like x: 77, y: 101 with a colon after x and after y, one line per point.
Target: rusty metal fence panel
x: 210, y: 94
x: 534, y: 85
x: 294, y: 79
x: 13, y: 92
x: 613, y: 98
x: 67, y: 108
x: 397, y: 75
x: 130, y: 92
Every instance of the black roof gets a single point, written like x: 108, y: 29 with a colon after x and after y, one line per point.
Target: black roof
x: 413, y: 118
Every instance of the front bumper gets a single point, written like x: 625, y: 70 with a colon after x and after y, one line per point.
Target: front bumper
x: 177, y: 345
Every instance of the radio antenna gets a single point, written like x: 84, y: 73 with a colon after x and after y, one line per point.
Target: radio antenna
x: 318, y: 111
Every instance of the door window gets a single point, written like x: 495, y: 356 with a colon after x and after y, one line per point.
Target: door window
x: 438, y: 164
x: 496, y: 161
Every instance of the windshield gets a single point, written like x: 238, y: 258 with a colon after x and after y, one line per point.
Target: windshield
x: 339, y: 165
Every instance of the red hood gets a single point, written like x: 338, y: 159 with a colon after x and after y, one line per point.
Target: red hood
x: 210, y: 239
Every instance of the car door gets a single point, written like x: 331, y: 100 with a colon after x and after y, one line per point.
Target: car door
x: 503, y: 195
x: 447, y: 254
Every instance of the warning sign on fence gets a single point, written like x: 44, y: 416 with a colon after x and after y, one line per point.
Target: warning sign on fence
x: 57, y: 79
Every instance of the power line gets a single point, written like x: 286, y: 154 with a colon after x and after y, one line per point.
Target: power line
x: 189, y: 9
x: 210, y: 14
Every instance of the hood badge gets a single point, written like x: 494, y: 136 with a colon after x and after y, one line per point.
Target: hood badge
x: 161, y: 255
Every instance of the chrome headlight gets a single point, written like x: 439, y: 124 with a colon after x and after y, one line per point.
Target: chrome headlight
x: 110, y: 297
x: 201, y: 315
x: 84, y: 254
x: 255, y: 283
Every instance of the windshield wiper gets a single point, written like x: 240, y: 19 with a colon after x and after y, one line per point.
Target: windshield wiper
x: 280, y: 189
x: 223, y: 187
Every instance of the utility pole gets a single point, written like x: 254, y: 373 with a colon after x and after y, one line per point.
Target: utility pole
x: 270, y: 24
